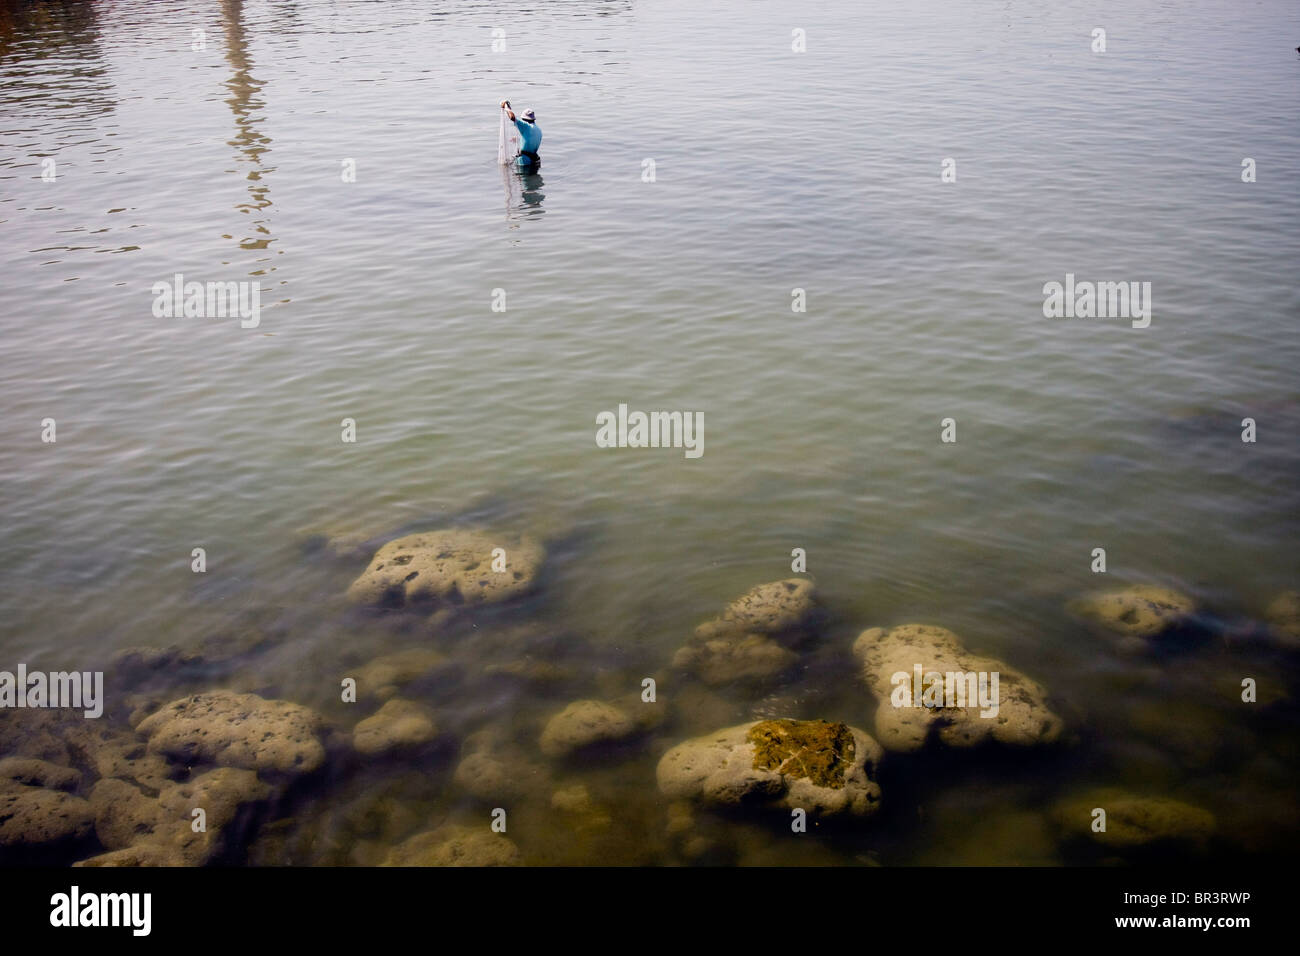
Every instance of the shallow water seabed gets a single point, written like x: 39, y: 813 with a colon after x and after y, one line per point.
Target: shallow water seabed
x: 822, y: 428
x: 1166, y: 725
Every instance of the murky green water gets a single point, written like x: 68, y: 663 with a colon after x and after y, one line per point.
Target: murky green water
x: 773, y: 171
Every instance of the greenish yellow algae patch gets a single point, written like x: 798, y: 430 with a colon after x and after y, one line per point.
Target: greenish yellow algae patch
x: 816, y: 749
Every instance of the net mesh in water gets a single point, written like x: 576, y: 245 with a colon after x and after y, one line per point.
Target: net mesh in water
x: 507, y: 141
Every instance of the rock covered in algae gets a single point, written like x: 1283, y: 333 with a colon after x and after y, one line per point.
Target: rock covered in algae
x: 1141, y: 612
x: 824, y: 768
x: 237, y: 730
x: 453, y: 845
x: 816, y: 750
x: 448, y: 567
x: 1132, y: 820
x: 1022, y: 716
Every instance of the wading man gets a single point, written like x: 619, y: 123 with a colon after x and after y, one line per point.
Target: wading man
x: 530, y: 136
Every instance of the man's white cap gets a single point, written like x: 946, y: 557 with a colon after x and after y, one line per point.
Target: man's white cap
x: 528, y: 115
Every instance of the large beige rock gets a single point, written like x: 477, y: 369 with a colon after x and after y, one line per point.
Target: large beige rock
x: 222, y: 794
x: 1142, y: 612
x: 398, y: 725
x: 1133, y: 821
x: 119, y: 753
x: 447, y: 567
x: 34, y: 816
x: 237, y: 730
x: 772, y: 608
x: 825, y: 769
x: 1022, y: 719
x: 125, y: 815
x: 451, y: 845
x: 590, y: 723
x: 225, y: 795
x: 746, y: 643
x: 162, y: 828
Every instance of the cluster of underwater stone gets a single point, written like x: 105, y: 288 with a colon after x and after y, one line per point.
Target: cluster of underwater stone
x: 132, y: 795
x: 129, y: 794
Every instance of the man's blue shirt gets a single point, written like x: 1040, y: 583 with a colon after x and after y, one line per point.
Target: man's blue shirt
x: 530, y: 136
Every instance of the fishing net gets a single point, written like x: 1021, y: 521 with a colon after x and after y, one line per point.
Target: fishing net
x: 507, y: 141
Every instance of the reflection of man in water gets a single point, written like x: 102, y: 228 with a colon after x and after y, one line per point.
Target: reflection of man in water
x: 532, y: 194
x: 530, y: 137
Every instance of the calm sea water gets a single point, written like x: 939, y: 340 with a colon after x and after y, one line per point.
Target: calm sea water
x: 773, y: 170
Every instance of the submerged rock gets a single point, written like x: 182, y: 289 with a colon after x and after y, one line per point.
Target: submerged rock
x: 499, y: 776
x: 826, y: 769
x: 224, y: 649
x: 447, y: 567
x: 125, y: 815
x: 31, y: 772
x: 225, y: 795
x: 773, y: 608
x: 1133, y: 821
x: 143, y: 854
x: 161, y: 828
x: 237, y: 730
x: 40, y: 734
x: 113, y: 752
x: 1141, y: 612
x: 575, y: 798
x: 451, y: 845
x: 528, y: 670
x: 1022, y: 719
x: 220, y: 793
x: 590, y: 723
x: 385, y: 675
x: 735, y: 658
x: 346, y: 544
x: 131, y: 665
x: 746, y: 643
x: 1283, y: 618
x: 582, y: 814
x: 398, y: 725
x: 35, y: 816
